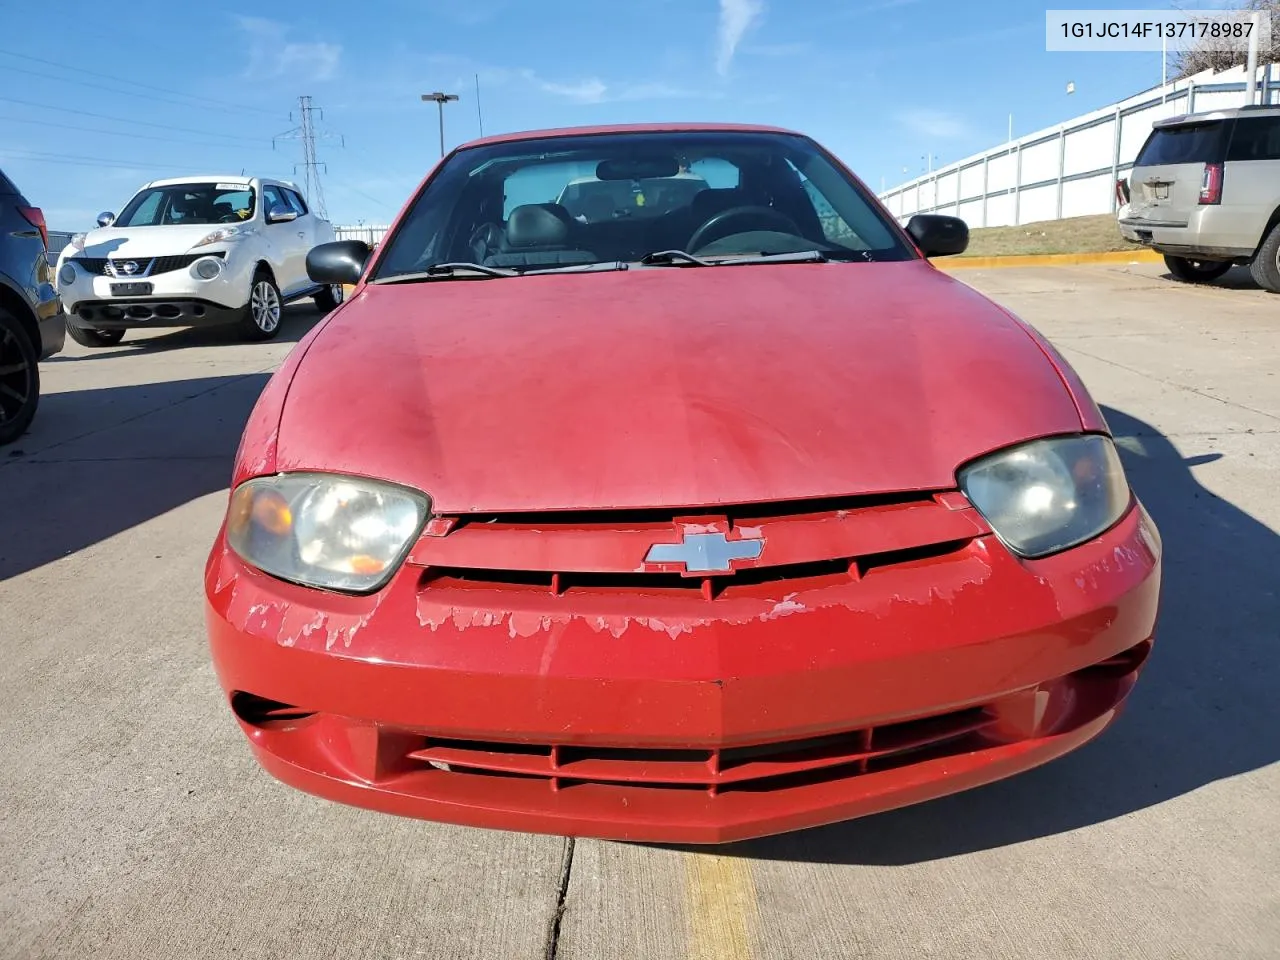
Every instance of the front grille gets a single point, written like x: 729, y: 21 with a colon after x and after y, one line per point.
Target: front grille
x: 168, y: 264
x: 806, y: 544
x: 147, y: 266
x: 798, y: 576
x: 757, y: 767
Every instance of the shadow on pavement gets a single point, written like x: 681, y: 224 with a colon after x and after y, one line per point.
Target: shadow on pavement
x: 1237, y: 278
x: 296, y: 323
x: 164, y: 445
x: 1204, y: 710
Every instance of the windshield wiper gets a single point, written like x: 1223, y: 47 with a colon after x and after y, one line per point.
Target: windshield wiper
x: 800, y: 256
x: 577, y: 268
x: 668, y: 257
x: 446, y: 271
x: 665, y: 258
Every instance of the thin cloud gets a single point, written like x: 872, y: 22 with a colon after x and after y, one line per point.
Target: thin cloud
x: 736, y: 18
x: 934, y: 124
x: 591, y: 90
x: 270, y: 55
x: 594, y: 90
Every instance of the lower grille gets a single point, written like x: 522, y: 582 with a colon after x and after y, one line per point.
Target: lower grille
x: 142, y: 311
x: 760, y: 767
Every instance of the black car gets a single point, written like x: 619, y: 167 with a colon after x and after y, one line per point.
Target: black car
x: 32, y: 324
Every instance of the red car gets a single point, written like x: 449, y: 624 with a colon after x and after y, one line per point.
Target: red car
x: 689, y: 516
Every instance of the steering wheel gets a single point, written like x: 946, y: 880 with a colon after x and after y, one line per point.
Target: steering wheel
x: 487, y: 234
x: 740, y: 220
x: 228, y: 218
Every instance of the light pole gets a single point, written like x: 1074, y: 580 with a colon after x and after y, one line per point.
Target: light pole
x: 440, y: 100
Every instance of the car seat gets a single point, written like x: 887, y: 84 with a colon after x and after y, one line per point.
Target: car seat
x: 539, y: 233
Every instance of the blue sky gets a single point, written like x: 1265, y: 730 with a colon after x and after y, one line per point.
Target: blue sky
x: 160, y: 89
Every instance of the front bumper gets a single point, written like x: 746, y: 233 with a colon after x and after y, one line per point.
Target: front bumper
x: 226, y: 293
x: 135, y: 312
x: 687, y: 721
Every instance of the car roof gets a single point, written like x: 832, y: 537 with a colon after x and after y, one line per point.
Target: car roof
x: 626, y: 128
x: 222, y: 178
x: 1188, y: 119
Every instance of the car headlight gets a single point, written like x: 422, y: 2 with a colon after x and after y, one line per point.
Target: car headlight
x: 325, y: 530
x: 222, y: 235
x: 67, y: 273
x: 76, y: 242
x: 1048, y: 495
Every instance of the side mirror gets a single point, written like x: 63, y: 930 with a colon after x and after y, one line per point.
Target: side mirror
x: 939, y: 236
x: 281, y: 214
x: 341, y: 261
x: 106, y: 218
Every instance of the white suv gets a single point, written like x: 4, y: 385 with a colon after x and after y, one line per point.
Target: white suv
x: 1205, y: 192
x: 194, y: 251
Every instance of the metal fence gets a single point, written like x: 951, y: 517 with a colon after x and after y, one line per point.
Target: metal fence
x: 58, y: 239
x: 370, y: 234
x: 1069, y: 170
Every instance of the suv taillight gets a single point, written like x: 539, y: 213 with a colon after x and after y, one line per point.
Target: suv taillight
x: 35, y: 217
x: 1211, y: 185
x: 1122, y: 191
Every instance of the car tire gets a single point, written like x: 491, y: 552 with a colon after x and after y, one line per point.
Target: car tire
x: 1266, y: 262
x: 19, y: 378
x: 95, y: 338
x: 329, y: 298
x: 1191, y: 270
x: 261, y: 316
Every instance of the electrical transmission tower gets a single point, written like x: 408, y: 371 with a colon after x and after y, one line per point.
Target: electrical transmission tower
x: 306, y: 132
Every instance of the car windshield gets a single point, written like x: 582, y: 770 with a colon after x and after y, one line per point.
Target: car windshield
x: 189, y: 203
x: 574, y: 201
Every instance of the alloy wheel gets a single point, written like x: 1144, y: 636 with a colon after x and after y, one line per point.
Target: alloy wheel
x: 15, y: 377
x: 264, y: 304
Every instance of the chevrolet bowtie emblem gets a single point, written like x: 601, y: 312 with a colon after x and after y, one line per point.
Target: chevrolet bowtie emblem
x: 705, y: 552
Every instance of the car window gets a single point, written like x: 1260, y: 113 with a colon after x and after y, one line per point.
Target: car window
x: 188, y: 203
x: 1193, y: 143
x: 6, y: 185
x: 602, y: 198
x: 1255, y: 138
x: 274, y: 197
x: 296, y: 201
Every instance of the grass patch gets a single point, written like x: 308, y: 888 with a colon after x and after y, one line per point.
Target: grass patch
x: 1097, y: 234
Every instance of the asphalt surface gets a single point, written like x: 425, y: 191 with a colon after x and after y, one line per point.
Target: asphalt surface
x: 134, y: 823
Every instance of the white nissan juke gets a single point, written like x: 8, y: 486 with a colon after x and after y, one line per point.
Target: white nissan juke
x: 194, y: 251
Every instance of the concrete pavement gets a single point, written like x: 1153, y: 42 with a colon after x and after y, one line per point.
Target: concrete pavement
x: 134, y: 823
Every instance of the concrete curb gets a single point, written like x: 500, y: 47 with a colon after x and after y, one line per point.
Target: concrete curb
x: 1050, y: 260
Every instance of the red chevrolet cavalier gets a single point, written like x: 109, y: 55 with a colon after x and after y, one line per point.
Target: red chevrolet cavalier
x: 653, y: 485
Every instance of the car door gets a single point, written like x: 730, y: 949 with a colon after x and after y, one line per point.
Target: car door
x: 307, y: 220
x: 288, y: 238
x: 1176, y: 163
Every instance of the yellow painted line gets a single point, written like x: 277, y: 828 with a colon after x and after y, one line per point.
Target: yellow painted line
x: 723, y: 913
x: 1048, y: 260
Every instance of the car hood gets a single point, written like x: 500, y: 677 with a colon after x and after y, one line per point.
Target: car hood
x: 668, y: 387
x: 124, y: 242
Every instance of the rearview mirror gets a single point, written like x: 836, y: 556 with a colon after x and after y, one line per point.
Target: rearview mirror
x: 637, y: 168
x: 106, y: 218
x: 938, y: 236
x: 341, y: 261
x: 281, y: 214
